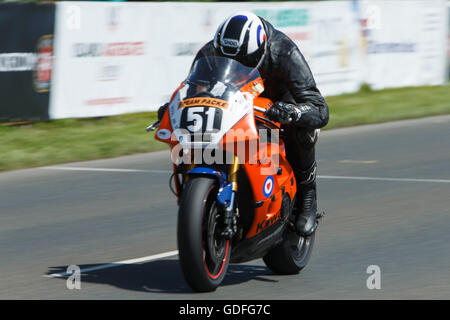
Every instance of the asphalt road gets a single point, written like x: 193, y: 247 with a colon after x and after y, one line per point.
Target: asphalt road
x: 385, y: 188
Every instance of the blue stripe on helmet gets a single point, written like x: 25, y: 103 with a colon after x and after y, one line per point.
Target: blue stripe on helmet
x: 258, y: 32
x: 245, y: 18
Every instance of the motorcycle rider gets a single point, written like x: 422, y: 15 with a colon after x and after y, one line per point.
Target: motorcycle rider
x: 299, y: 106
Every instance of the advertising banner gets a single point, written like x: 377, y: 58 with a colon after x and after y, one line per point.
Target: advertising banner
x: 331, y: 47
x: 402, y: 42
x: 26, y: 56
x: 325, y: 33
x: 105, y: 59
x: 116, y: 58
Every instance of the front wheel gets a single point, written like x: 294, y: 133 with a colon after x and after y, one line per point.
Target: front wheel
x: 203, y: 252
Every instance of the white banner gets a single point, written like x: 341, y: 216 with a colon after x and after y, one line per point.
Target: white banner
x: 448, y: 41
x: 114, y: 58
x: 403, y: 42
x: 107, y: 58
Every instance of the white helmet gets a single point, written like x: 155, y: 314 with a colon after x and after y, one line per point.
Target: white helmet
x: 241, y: 37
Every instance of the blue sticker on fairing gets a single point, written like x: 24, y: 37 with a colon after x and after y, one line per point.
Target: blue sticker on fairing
x: 268, y: 186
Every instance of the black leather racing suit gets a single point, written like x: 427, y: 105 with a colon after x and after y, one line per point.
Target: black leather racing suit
x: 287, y: 78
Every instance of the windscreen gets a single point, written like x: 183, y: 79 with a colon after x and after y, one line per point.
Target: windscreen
x: 217, y: 77
x: 217, y: 93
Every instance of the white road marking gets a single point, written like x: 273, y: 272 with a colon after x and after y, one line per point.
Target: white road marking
x: 118, y: 264
x: 359, y: 161
x: 104, y: 169
x: 320, y: 176
x: 384, y: 179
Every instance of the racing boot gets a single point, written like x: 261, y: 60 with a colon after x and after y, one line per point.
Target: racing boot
x: 306, y: 206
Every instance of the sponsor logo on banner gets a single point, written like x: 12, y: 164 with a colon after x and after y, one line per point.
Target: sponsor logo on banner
x: 285, y: 17
x: 96, y: 49
x: 298, y: 36
x: 44, y: 64
x: 103, y: 101
x: 295, y: 20
x: 17, y: 61
x: 109, y: 73
x: 391, y: 47
x: 40, y: 62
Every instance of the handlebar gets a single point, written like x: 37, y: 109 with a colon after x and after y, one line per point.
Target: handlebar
x: 152, y: 127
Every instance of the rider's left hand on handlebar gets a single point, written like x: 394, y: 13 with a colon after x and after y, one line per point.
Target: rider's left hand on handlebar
x: 284, y: 113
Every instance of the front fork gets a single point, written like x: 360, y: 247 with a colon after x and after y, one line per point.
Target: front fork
x: 226, y: 195
x: 230, y: 215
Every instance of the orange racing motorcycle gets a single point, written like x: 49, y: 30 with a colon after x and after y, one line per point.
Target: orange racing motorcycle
x: 235, y: 188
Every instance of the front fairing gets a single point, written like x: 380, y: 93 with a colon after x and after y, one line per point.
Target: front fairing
x: 217, y: 95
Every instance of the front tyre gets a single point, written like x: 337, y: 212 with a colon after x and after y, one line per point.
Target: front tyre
x: 204, y: 254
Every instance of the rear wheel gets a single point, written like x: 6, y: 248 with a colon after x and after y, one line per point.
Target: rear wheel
x: 204, y: 253
x: 292, y: 254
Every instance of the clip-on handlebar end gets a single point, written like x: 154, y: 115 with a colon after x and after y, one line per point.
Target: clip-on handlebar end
x: 153, y: 126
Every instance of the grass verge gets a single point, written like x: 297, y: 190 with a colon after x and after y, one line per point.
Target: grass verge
x: 387, y: 105
x: 69, y: 140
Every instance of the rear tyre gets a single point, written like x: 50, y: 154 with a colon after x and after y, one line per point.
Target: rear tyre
x: 292, y: 254
x: 204, y: 254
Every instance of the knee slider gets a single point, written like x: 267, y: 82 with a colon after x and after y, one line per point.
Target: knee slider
x: 307, y: 138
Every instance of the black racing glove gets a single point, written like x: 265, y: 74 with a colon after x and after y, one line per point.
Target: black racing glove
x: 161, y: 111
x: 284, y: 113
